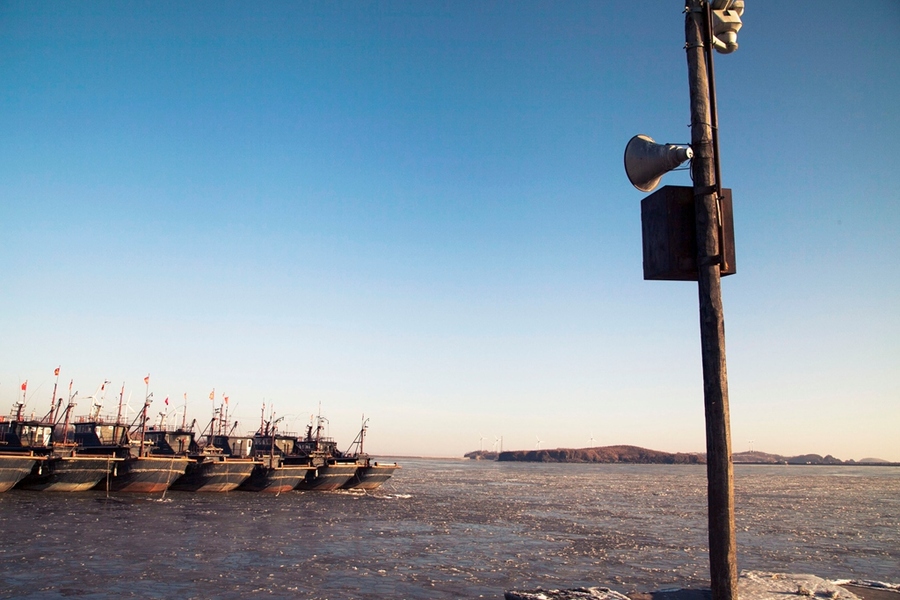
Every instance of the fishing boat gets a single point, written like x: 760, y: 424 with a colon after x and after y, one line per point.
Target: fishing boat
x: 58, y: 467
x: 369, y: 474
x: 332, y: 468
x: 151, y: 460
x: 275, y: 475
x: 277, y: 470
x: 17, y: 461
x: 214, y: 472
x: 213, y: 468
x: 14, y: 467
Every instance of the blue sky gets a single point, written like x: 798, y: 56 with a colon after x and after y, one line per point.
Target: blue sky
x: 418, y: 211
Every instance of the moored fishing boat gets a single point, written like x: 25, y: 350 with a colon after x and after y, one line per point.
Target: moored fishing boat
x: 277, y: 470
x: 63, y: 469
x: 275, y: 475
x: 209, y: 472
x: 150, y: 460
x: 332, y: 468
x: 329, y: 476
x: 213, y: 468
x: 72, y: 473
x: 369, y: 474
x: 58, y: 467
x: 17, y: 461
x: 135, y: 469
x: 14, y: 466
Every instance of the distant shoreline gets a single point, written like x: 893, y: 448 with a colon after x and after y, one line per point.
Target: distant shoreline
x: 624, y: 454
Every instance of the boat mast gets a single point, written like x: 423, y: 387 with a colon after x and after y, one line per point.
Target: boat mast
x: 362, y: 434
x: 212, y: 428
x: 116, y: 434
x: 66, y: 425
x: 272, y: 443
x: 184, y: 415
x: 21, y: 408
x: 225, y: 420
x: 144, y: 414
x: 53, y: 397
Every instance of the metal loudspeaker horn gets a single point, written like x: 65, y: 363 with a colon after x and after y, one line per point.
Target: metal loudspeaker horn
x: 646, y: 161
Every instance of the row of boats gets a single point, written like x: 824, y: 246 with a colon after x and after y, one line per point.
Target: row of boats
x: 94, y: 452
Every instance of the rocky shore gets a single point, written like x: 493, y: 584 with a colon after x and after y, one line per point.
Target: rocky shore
x: 752, y: 585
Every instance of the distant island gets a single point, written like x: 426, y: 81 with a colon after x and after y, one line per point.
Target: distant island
x: 637, y: 455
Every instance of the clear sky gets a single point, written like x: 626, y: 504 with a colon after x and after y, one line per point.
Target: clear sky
x: 417, y: 211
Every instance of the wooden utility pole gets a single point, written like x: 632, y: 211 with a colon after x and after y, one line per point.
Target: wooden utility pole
x: 719, y: 470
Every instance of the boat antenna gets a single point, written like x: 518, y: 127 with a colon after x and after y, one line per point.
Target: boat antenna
x: 184, y: 415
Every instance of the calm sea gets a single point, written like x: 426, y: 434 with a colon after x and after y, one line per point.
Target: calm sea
x: 449, y: 529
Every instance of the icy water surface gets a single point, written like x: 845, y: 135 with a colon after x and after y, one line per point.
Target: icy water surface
x: 449, y: 529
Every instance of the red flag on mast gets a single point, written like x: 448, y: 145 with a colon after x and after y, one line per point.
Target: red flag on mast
x: 56, y: 371
x: 24, y: 385
x: 147, y: 379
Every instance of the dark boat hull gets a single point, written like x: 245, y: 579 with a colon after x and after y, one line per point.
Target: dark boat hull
x: 275, y: 479
x: 14, y: 468
x: 215, y: 475
x: 328, y: 477
x: 370, y: 477
x: 146, y: 474
x: 68, y: 473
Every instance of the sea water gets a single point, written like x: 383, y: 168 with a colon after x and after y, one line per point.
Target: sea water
x: 449, y: 529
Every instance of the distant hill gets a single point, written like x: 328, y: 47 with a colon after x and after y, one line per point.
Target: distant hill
x: 481, y: 455
x: 603, y: 454
x: 637, y: 455
x: 803, y: 459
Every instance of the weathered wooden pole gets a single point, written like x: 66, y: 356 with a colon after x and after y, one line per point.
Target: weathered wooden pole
x: 720, y: 485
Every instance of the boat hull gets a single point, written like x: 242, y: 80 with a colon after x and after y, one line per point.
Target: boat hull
x: 14, y: 468
x: 275, y: 480
x: 328, y: 477
x: 146, y: 474
x: 215, y: 475
x: 68, y: 473
x: 370, y: 477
